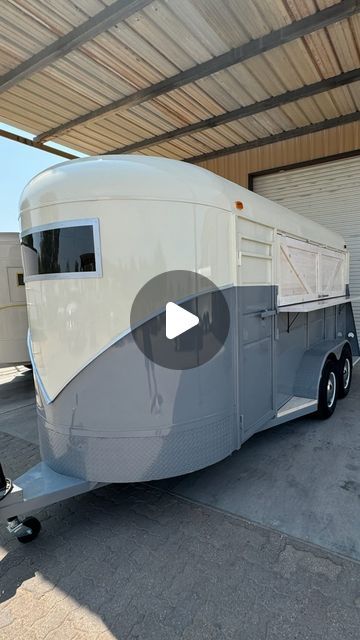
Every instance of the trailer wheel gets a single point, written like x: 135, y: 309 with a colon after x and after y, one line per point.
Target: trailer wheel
x: 345, y: 372
x: 34, y: 525
x: 328, y: 390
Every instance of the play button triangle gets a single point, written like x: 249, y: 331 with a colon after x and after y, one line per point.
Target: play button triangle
x: 178, y: 320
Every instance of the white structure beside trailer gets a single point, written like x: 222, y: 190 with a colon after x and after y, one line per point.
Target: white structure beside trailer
x: 94, y: 231
x: 13, y: 314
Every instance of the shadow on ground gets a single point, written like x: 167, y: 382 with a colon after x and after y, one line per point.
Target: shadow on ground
x: 133, y: 562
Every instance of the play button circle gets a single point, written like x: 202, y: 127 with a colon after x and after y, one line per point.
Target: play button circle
x: 180, y: 319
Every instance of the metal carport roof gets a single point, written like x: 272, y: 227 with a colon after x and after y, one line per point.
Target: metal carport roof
x: 189, y: 79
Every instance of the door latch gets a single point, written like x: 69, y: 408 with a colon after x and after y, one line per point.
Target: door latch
x: 267, y: 314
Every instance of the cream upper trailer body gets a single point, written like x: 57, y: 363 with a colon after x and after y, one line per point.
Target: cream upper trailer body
x: 13, y: 314
x: 94, y: 231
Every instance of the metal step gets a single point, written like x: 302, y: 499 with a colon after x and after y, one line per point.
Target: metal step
x: 296, y: 403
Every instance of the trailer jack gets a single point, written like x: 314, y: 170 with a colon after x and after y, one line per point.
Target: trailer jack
x: 24, y: 530
x: 37, y: 488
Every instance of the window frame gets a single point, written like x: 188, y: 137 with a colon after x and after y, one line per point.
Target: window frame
x: 64, y: 224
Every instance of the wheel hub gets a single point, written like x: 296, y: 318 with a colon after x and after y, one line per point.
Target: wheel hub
x: 331, y: 389
x: 346, y: 373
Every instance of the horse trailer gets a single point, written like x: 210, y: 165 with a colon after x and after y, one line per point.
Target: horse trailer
x: 94, y: 232
x: 13, y: 315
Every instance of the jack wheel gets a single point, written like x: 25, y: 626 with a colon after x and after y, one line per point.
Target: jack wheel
x: 34, y: 525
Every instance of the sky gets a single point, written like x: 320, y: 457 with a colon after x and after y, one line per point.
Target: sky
x: 18, y: 164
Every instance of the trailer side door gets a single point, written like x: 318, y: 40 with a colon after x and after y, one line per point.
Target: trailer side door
x: 256, y: 323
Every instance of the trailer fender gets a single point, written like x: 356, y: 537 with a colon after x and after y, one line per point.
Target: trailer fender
x: 311, y: 366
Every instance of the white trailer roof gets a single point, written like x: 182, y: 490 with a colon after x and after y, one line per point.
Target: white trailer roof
x: 145, y: 178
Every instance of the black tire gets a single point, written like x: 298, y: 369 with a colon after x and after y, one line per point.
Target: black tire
x: 345, y: 372
x: 328, y: 390
x: 34, y: 525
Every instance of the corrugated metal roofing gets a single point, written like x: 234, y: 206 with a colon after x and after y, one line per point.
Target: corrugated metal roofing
x: 157, y: 42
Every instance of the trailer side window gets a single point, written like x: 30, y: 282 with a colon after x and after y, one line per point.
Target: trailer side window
x: 60, y: 251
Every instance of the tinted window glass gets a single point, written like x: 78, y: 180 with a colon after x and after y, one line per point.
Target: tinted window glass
x: 63, y: 250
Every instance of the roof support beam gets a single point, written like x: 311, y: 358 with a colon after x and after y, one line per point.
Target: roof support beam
x: 297, y: 29
x: 243, y: 112
x: 278, y: 137
x: 30, y: 143
x: 108, y: 17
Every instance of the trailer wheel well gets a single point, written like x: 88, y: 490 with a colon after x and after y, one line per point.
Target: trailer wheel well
x: 347, y: 345
x: 332, y: 357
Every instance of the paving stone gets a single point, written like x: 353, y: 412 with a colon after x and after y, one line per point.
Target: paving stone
x: 135, y: 563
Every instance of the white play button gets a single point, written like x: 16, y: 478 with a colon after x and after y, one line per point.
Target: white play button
x: 178, y: 320
x: 175, y: 338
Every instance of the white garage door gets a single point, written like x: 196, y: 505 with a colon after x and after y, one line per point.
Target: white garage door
x: 328, y: 193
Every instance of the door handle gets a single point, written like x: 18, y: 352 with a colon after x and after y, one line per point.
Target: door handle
x: 267, y: 314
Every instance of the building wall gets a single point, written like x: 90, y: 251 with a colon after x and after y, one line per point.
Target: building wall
x: 238, y: 166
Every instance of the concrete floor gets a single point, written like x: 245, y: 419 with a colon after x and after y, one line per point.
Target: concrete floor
x: 134, y: 562
x: 302, y: 478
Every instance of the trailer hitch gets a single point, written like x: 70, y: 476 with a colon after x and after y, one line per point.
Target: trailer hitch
x: 6, y: 484
x: 24, y: 530
x: 38, y: 487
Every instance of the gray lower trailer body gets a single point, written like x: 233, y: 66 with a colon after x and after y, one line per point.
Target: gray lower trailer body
x: 125, y: 419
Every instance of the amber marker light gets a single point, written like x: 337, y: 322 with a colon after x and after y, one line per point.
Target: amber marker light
x: 239, y: 204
